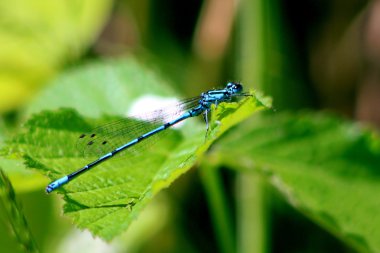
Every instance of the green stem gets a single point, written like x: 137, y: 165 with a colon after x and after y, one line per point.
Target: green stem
x: 251, y: 213
x: 218, y: 207
x: 252, y: 69
x: 15, y: 215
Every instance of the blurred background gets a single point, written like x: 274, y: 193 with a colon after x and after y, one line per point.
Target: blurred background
x: 319, y: 55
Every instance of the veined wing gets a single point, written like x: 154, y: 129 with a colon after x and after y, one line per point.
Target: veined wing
x: 108, y: 137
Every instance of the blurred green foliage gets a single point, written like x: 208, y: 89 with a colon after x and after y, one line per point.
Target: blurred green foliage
x: 325, y: 167
x: 281, y: 182
x: 38, y: 37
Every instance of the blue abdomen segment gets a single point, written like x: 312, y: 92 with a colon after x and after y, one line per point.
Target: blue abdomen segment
x: 57, y: 183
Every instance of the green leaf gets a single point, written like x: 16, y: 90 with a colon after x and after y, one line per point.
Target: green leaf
x: 325, y: 167
x: 38, y: 37
x: 106, y: 199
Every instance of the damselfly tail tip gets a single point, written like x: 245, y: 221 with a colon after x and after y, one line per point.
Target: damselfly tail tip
x: 57, y: 183
x: 49, y: 189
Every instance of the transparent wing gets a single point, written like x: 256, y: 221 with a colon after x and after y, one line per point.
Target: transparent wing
x: 106, y: 138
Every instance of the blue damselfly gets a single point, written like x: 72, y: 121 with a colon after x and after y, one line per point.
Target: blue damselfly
x: 105, y: 140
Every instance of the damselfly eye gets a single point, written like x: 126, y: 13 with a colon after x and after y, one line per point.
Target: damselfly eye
x: 234, y: 87
x: 238, y: 87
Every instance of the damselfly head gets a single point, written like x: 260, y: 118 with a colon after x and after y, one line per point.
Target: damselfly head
x: 234, y: 88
